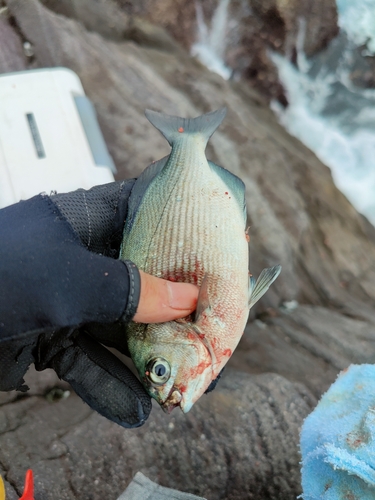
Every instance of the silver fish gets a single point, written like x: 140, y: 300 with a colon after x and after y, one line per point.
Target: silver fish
x: 186, y: 223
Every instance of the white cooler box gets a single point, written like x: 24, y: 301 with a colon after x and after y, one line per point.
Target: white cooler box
x: 50, y: 139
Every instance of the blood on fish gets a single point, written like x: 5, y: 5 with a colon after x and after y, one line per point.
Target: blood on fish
x: 226, y: 192
x: 227, y: 352
x: 181, y: 129
x: 183, y: 275
x: 221, y: 311
x: 199, y: 369
x: 191, y: 336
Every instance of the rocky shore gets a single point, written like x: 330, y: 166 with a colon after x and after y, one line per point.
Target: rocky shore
x: 241, y: 441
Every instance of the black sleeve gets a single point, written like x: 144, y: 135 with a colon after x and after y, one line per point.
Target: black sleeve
x: 97, y: 215
x: 49, y: 279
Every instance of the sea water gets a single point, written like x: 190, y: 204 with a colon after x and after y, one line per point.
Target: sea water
x: 329, y: 114
x: 326, y: 111
x: 210, y: 45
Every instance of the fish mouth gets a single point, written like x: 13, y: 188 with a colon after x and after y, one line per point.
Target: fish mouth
x: 174, y: 399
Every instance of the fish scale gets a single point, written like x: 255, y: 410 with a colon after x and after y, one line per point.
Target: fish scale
x: 186, y: 222
x: 188, y: 229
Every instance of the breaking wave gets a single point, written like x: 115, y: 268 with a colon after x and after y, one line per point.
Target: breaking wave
x: 326, y: 111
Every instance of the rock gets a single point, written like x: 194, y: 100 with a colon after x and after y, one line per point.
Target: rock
x: 341, y: 56
x: 103, y: 17
x: 298, y: 219
x: 309, y: 345
x: 253, y: 28
x: 238, y: 442
x: 100, y: 16
x: 12, y: 56
x: 150, y: 35
x: 319, y: 20
x: 177, y: 17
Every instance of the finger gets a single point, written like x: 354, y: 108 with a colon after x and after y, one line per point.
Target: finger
x: 163, y: 300
x: 103, y: 382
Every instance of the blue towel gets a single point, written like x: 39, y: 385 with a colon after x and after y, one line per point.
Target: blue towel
x: 338, y: 440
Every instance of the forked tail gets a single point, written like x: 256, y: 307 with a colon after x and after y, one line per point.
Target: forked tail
x: 173, y: 126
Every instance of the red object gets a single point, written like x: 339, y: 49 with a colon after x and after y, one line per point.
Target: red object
x: 28, y: 491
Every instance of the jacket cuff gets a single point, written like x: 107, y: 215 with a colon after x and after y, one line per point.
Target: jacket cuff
x: 134, y: 291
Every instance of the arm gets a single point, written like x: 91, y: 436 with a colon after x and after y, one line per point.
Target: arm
x: 59, y: 301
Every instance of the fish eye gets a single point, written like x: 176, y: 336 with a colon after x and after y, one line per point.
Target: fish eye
x: 158, y: 371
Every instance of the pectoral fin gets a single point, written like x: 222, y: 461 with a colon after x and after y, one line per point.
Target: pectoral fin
x: 259, y: 287
x: 203, y: 299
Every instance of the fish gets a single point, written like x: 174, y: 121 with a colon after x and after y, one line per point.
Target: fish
x: 187, y: 223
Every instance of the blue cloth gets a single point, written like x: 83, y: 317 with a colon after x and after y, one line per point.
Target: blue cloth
x: 338, y: 440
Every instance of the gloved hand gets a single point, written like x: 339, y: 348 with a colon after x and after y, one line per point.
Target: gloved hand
x: 63, y: 293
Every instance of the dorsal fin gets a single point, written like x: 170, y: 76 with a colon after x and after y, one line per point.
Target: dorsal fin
x: 173, y: 126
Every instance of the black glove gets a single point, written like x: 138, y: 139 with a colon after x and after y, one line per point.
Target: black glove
x: 63, y: 292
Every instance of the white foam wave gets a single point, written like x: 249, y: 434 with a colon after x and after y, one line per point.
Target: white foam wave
x: 326, y: 111
x: 350, y: 155
x: 211, y: 43
x: 357, y: 18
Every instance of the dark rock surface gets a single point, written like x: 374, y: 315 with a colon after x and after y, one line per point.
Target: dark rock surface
x: 310, y: 345
x: 239, y: 442
x: 254, y: 27
x: 298, y: 218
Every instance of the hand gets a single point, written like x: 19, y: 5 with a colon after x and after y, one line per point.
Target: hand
x: 62, y: 298
x: 162, y: 300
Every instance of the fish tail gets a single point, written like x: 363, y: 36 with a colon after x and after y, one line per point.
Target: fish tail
x: 172, y: 126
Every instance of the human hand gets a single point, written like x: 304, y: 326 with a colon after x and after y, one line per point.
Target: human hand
x: 67, y: 298
x: 161, y: 300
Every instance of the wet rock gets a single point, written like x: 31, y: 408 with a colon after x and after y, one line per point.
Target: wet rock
x: 343, y: 56
x: 309, y: 345
x: 100, y: 16
x: 253, y: 28
x: 105, y: 18
x: 281, y: 26
x: 238, y: 442
x: 12, y: 56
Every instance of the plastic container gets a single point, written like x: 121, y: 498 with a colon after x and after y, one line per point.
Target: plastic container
x: 50, y: 139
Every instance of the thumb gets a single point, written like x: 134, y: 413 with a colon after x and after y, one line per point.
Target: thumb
x: 163, y: 300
